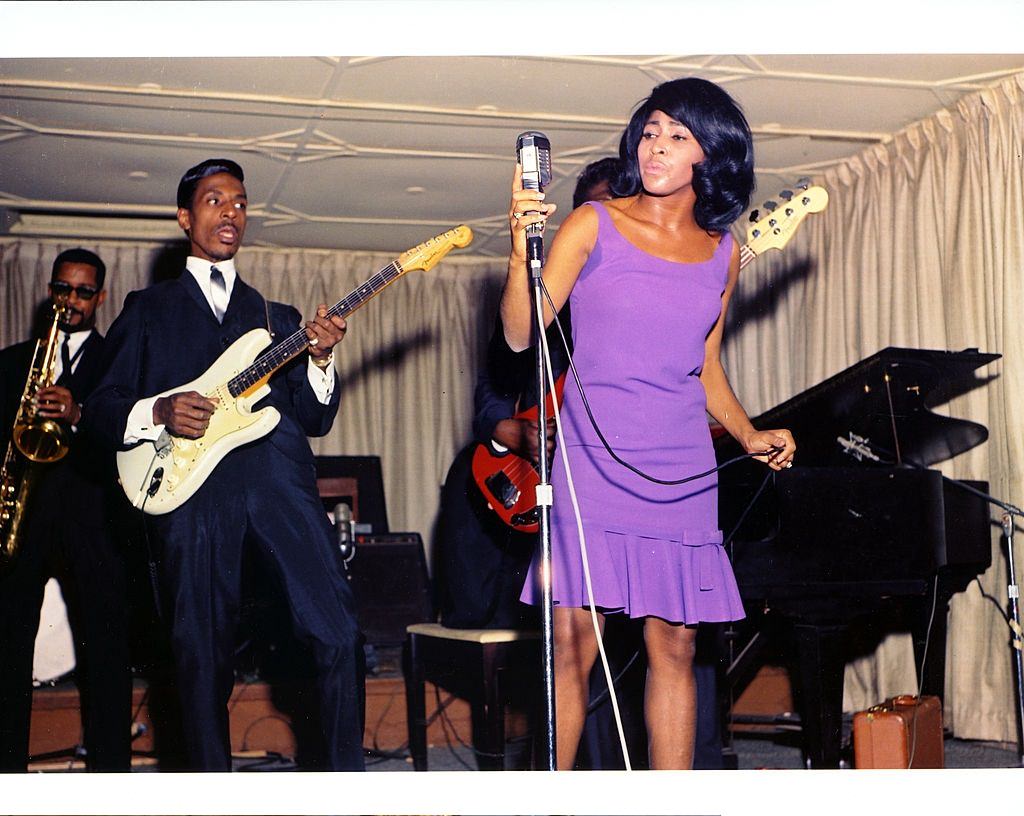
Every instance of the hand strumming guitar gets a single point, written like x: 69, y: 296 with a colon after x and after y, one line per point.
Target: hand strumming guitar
x: 186, y: 413
x: 520, y: 437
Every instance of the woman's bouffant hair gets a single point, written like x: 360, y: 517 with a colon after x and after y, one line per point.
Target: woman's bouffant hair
x: 724, y: 181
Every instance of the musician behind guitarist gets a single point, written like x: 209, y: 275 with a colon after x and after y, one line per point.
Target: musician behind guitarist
x: 481, y: 563
x: 261, y: 495
x: 67, y: 532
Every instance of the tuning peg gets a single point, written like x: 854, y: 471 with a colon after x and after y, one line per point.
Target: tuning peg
x: 786, y: 194
x: 770, y: 206
x: 803, y: 183
x: 753, y: 216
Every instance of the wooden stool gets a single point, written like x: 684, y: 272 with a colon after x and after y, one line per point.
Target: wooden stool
x: 487, y: 667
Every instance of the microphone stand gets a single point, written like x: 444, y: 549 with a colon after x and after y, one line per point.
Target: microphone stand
x: 535, y: 264
x: 1017, y: 638
x: 1013, y: 594
x: 1010, y: 511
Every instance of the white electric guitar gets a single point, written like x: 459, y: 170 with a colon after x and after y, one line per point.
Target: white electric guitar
x: 162, y: 475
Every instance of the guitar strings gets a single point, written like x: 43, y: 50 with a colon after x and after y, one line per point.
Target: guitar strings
x: 267, y: 362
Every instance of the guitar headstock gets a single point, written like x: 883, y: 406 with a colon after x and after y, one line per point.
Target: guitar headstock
x: 425, y: 256
x: 774, y: 230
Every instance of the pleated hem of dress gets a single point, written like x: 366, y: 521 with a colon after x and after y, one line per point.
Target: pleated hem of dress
x: 685, y: 580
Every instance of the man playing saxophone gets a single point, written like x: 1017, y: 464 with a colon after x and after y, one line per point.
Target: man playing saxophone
x: 65, y: 528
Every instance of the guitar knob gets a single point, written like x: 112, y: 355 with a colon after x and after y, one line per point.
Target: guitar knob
x: 786, y: 194
x: 770, y: 206
x: 753, y: 216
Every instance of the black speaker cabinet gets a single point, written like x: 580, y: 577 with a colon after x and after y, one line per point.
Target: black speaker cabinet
x: 391, y: 587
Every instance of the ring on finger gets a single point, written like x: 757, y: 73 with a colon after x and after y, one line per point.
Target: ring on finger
x: 314, y: 341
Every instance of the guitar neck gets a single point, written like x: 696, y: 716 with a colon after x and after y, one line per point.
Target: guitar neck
x: 293, y: 345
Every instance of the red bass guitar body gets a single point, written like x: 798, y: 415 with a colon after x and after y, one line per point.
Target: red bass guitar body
x: 508, y: 481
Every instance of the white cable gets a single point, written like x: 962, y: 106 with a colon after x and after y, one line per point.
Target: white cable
x: 583, y: 548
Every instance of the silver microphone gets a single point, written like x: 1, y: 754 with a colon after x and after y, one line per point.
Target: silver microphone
x: 343, y: 528
x: 533, y: 152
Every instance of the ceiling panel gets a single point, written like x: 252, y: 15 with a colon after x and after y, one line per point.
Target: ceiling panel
x: 332, y: 145
x: 292, y: 76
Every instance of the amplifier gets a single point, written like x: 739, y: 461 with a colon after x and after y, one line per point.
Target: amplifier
x: 389, y: 578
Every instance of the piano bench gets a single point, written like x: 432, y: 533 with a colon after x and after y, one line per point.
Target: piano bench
x: 488, y: 667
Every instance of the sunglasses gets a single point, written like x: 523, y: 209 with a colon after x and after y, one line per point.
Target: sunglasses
x: 62, y: 289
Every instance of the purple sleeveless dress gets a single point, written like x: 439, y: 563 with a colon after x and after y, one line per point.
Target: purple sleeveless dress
x: 639, y: 325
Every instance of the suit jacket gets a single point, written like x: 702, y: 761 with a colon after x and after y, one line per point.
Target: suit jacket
x: 166, y: 336
x: 82, y: 476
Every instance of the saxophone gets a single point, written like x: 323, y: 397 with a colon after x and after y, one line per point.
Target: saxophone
x: 35, y: 440
x: 39, y: 438
x: 16, y: 481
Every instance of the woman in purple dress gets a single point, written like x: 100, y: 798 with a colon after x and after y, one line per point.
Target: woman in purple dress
x: 649, y: 276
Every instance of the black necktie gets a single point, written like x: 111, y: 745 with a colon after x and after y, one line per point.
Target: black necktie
x: 219, y: 293
x: 65, y: 361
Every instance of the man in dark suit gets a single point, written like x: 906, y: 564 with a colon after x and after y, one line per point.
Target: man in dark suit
x: 261, y: 495
x: 66, y: 533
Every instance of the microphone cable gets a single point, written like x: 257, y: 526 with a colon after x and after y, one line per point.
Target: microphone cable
x: 546, y: 351
x: 608, y: 447
x: 609, y: 680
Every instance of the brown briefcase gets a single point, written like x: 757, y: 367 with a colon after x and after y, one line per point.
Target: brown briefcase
x: 902, y: 732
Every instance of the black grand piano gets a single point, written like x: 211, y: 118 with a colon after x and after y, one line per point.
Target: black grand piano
x: 860, y: 521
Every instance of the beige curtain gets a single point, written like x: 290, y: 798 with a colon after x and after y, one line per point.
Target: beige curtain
x: 407, y: 365
x: 922, y: 245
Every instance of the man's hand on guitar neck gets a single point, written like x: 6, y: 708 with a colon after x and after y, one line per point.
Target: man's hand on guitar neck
x: 520, y: 437
x: 324, y: 333
x: 186, y: 413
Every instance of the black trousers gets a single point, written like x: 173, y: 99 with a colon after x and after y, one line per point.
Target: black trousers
x: 257, y: 497
x: 69, y: 541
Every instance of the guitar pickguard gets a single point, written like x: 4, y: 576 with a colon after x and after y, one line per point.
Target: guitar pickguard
x: 160, y: 479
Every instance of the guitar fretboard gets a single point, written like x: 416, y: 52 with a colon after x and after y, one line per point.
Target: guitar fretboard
x: 293, y: 345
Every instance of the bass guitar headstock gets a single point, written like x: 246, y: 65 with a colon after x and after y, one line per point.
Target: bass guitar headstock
x: 774, y: 230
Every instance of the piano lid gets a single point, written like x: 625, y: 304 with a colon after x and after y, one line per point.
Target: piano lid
x: 881, y: 407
